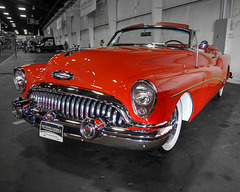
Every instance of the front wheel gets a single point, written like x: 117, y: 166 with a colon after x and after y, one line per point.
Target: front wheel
x: 176, y: 122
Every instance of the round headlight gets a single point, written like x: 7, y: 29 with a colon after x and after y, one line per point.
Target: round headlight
x: 143, y: 98
x: 143, y: 94
x: 20, y: 80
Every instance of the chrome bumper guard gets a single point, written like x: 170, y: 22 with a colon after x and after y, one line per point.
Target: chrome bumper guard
x: 133, y: 137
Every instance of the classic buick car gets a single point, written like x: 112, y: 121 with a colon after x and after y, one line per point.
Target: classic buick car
x: 132, y: 94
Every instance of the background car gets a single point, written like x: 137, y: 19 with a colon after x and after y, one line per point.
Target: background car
x: 48, y: 45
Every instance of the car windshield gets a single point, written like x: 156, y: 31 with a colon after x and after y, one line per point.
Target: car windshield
x: 168, y: 37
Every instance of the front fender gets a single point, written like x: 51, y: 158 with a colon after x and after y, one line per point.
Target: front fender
x: 33, y: 72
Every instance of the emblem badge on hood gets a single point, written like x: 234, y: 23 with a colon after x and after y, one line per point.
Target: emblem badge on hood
x: 62, y: 75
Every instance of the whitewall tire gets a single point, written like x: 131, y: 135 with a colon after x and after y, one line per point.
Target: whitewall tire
x: 220, y: 92
x: 176, y: 122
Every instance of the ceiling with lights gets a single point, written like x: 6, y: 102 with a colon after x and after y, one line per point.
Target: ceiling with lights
x: 27, y: 16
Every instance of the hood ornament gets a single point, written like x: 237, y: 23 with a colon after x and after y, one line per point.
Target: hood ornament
x: 62, y: 75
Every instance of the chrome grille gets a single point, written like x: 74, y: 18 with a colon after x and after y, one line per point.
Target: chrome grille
x: 76, y: 107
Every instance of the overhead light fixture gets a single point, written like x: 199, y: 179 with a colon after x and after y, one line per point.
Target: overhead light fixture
x: 25, y: 31
x: 5, y: 13
x: 2, y: 7
x: 22, y: 8
x: 16, y: 31
x: 11, y: 21
x: 9, y: 17
x: 23, y: 15
x: 13, y: 24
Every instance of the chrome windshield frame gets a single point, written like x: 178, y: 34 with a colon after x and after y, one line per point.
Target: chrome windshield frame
x: 189, y: 31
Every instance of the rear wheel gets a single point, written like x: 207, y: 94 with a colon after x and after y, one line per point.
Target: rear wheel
x: 176, y: 122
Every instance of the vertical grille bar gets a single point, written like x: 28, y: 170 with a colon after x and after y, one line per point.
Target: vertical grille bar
x: 68, y: 106
x: 52, y: 101
x: 59, y: 102
x: 114, y: 117
x: 104, y: 108
x: 63, y: 105
x: 109, y: 112
x: 55, y: 102
x: 98, y: 110
x: 87, y: 108
x: 82, y: 106
x: 72, y: 106
x: 93, y: 109
x: 77, y: 107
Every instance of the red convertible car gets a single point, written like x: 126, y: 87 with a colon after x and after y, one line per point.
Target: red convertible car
x: 132, y: 94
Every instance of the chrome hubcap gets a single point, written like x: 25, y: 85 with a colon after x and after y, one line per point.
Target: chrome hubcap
x: 174, y: 123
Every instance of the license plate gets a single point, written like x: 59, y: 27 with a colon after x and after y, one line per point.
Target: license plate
x: 51, y: 130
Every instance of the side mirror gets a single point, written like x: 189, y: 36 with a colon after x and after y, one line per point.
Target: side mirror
x: 102, y: 43
x: 203, y: 45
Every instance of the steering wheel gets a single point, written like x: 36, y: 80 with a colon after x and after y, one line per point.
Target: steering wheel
x: 173, y: 40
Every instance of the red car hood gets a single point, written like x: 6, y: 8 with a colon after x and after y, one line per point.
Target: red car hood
x: 105, y: 69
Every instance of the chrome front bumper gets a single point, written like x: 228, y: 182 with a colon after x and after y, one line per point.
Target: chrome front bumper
x: 132, y: 137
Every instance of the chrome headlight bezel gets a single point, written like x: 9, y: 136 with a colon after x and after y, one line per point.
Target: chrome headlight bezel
x: 20, y: 80
x: 144, y: 97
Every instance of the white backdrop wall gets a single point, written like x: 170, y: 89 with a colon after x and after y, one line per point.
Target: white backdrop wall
x: 128, y: 9
x: 234, y: 38
x: 101, y: 33
x: 200, y: 15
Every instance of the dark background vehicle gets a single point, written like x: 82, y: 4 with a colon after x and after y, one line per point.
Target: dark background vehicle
x: 48, y: 45
x: 29, y: 46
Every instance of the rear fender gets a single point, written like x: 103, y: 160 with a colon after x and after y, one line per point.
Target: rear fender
x: 224, y: 62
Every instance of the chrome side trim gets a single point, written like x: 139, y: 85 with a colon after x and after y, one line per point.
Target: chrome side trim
x: 213, y: 79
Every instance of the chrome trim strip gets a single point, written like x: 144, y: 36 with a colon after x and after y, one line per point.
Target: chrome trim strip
x: 122, y: 143
x: 213, y: 79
